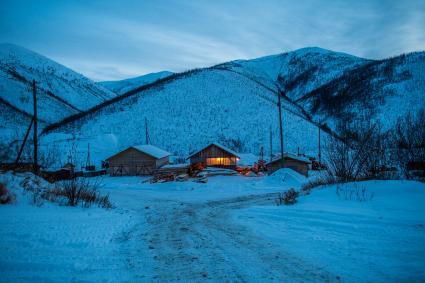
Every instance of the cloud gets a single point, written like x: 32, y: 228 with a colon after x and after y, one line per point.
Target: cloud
x: 117, y: 39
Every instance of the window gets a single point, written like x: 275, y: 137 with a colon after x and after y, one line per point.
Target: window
x: 220, y: 161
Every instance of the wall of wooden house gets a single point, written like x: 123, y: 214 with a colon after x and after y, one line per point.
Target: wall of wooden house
x: 132, y: 162
x: 212, y: 151
x: 296, y: 165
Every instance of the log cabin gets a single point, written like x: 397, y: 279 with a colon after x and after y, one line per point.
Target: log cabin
x: 137, y: 161
x: 215, y: 155
x: 297, y: 163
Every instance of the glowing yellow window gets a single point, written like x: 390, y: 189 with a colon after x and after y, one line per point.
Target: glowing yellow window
x: 219, y: 161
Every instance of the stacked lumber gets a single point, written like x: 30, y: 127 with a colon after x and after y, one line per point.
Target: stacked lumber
x: 162, y: 178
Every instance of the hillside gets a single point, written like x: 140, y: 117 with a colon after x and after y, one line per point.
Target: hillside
x: 188, y: 111
x: 235, y: 103
x: 297, y: 72
x: 61, y: 92
x: 123, y: 86
x: 381, y: 90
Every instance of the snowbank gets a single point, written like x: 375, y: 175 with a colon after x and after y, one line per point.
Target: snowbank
x: 63, y: 244
x: 288, y: 176
x: 378, y: 240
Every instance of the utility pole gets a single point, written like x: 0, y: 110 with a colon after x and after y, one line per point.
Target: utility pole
x: 23, y: 143
x: 146, y: 129
x: 34, y: 95
x: 88, y: 157
x: 320, y: 155
x: 271, y: 144
x: 280, y: 127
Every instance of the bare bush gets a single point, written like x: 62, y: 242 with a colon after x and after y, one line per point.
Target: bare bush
x: 358, y: 153
x: 6, y: 196
x: 79, y: 191
x: 35, y: 186
x: 358, y: 193
x: 47, y: 156
x: 409, y: 140
x: 326, y: 179
x: 7, y: 151
x: 73, y: 192
x: 288, y: 198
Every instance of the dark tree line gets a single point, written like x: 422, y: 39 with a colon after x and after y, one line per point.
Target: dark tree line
x: 365, y: 151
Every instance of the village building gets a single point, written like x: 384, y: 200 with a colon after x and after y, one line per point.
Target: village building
x: 137, y: 161
x: 215, y: 155
x: 297, y: 163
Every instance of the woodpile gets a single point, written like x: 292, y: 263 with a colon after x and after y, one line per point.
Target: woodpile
x: 182, y: 178
x: 162, y: 178
x: 202, y: 177
x: 194, y: 169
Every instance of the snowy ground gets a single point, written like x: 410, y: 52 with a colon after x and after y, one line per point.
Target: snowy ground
x: 226, y: 230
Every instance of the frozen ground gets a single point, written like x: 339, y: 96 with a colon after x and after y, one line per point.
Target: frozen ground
x: 378, y: 240
x: 226, y: 230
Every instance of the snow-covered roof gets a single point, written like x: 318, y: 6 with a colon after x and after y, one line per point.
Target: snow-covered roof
x: 292, y: 156
x: 152, y: 150
x: 247, y: 159
x: 217, y: 145
x: 181, y: 165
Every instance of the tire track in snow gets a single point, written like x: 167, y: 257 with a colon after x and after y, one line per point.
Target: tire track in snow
x: 199, y: 241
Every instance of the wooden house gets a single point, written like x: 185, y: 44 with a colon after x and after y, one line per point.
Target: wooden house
x: 297, y: 163
x: 137, y: 160
x: 215, y: 155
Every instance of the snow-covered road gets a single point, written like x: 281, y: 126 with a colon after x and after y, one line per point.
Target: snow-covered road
x: 195, y: 241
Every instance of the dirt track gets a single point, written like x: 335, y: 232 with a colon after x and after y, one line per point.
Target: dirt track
x: 199, y: 241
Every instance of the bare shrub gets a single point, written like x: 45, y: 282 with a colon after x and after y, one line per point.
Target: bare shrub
x: 7, y: 151
x: 326, y: 179
x: 288, y: 198
x: 31, y: 183
x: 409, y: 140
x: 79, y: 191
x: 34, y: 185
x: 6, y: 196
x: 358, y: 153
x: 358, y: 193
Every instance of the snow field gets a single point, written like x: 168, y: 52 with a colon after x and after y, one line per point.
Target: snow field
x: 381, y: 240
x: 228, y: 229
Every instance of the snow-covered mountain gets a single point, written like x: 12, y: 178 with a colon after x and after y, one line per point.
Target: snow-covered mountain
x: 235, y: 104
x: 188, y: 111
x: 382, y: 90
x: 123, y: 86
x: 61, y: 92
x: 331, y: 87
x: 298, y: 72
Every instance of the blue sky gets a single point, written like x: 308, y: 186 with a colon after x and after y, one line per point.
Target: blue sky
x: 108, y: 40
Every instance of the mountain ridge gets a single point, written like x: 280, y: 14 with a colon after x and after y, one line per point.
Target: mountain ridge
x: 235, y: 102
x: 61, y: 91
x: 122, y: 86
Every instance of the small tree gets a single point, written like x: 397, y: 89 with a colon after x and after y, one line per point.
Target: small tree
x: 358, y: 152
x: 409, y: 142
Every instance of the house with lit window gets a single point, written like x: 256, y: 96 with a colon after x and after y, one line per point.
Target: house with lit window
x: 215, y: 155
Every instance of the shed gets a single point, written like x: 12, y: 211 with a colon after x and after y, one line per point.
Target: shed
x: 137, y: 160
x: 297, y: 163
x: 215, y: 155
